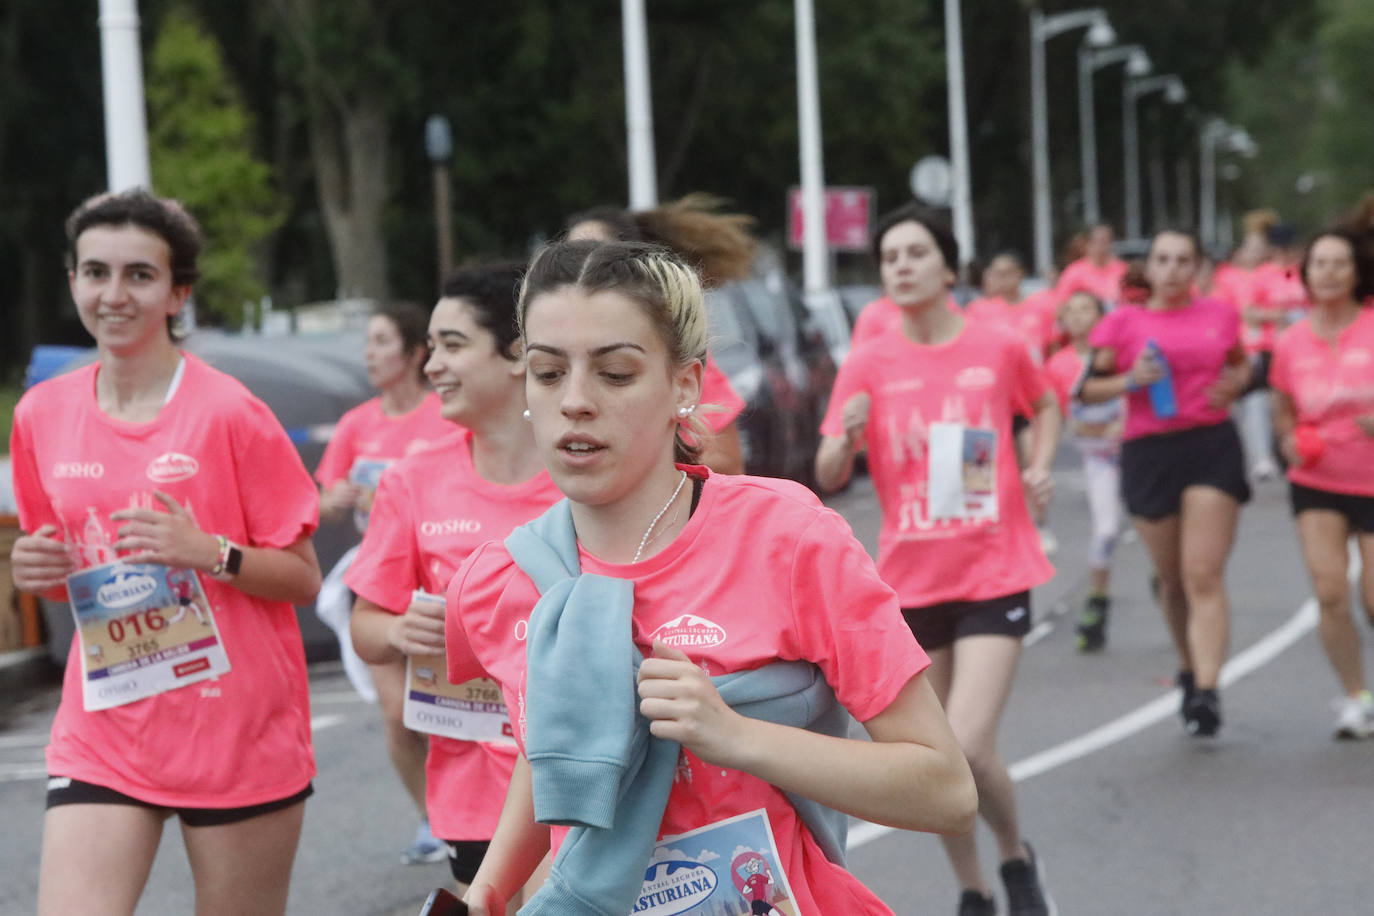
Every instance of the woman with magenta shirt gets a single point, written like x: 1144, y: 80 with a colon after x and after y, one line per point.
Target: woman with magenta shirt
x: 402, y: 420
x: 702, y: 583
x: 1323, y: 381
x: 151, y: 457
x: 1180, y: 362
x: 934, y: 402
x: 432, y: 510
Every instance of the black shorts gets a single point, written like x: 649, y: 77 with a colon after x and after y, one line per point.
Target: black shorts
x: 465, y: 857
x: 1155, y: 470
x: 938, y: 625
x: 64, y: 791
x: 1358, y: 510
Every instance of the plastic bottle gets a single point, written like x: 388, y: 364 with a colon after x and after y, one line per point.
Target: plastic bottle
x: 1162, y: 399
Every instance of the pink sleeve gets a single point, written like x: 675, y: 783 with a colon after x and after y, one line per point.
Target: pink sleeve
x: 474, y: 593
x: 1107, y: 332
x: 848, y: 621
x: 849, y: 381
x: 34, y: 509
x: 1068, y: 283
x: 280, y: 502
x: 337, y: 459
x: 386, y: 570
x: 865, y: 326
x: 1027, y: 379
x: 715, y: 389
x: 1279, y: 378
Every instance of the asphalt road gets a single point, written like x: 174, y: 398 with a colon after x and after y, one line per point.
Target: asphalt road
x: 1129, y: 815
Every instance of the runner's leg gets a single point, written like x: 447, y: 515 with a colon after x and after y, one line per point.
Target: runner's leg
x: 406, y: 748
x: 1365, y: 542
x: 1207, y: 534
x: 244, y: 867
x: 96, y: 858
x: 980, y: 672
x: 1323, y: 534
x: 1161, y: 539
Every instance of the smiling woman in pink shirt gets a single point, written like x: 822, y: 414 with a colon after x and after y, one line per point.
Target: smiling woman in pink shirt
x: 151, y: 457
x: 933, y: 400
x: 1323, y: 381
x: 1180, y: 363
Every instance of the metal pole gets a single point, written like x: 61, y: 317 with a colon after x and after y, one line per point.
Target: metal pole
x: 1131, y: 147
x: 443, y: 219
x: 639, y: 112
x: 815, y: 261
x: 1040, y: 155
x: 1184, y: 180
x: 1207, y: 185
x: 1087, y: 137
x: 1159, y: 198
x: 126, y: 125
x: 962, y: 200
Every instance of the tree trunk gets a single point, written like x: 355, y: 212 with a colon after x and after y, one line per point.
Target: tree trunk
x: 348, y: 144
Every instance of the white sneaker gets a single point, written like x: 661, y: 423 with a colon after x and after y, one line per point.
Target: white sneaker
x: 1264, y: 469
x: 1353, y: 718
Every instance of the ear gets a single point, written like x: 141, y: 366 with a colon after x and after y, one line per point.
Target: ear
x: 179, y: 296
x: 687, y: 386
x: 517, y: 359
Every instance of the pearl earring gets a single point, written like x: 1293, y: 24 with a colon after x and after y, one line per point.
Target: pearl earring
x: 685, y: 412
x: 526, y: 414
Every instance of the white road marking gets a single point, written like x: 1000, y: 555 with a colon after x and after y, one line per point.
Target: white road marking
x: 27, y: 740
x: 17, y: 772
x: 1303, y: 621
x: 320, y: 723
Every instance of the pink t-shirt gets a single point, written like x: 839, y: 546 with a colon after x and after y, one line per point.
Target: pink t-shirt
x: 762, y: 572
x: 1195, y: 341
x: 432, y: 510
x: 367, y: 432
x: 716, y: 390
x: 1331, y: 386
x: 243, y: 738
x: 1062, y: 372
x: 979, y: 380
x: 882, y: 317
x: 1247, y: 289
x: 1030, y: 321
x: 1103, y: 282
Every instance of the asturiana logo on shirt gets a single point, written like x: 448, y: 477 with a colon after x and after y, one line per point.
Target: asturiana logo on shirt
x: 171, y: 467
x: 690, y: 632
x: 90, y: 470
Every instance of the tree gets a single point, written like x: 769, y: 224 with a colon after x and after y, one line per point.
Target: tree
x: 200, y: 147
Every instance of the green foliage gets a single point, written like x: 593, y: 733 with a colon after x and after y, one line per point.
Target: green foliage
x: 9, y: 396
x: 200, y: 145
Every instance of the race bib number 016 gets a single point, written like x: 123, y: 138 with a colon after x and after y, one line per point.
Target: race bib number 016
x: 472, y: 711
x: 729, y: 868
x: 144, y: 629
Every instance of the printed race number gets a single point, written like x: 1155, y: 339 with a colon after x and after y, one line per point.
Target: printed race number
x: 137, y: 622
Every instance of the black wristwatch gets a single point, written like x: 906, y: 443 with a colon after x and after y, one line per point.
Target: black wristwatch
x: 230, y: 560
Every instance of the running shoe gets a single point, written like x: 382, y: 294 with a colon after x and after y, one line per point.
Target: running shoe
x: 972, y: 903
x: 1202, y: 713
x: 1092, y: 623
x: 1264, y: 469
x: 1187, y: 687
x: 1024, y: 881
x: 1353, y: 717
x: 425, y: 849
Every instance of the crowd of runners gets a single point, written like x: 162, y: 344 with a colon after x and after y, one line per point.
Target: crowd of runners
x: 589, y: 636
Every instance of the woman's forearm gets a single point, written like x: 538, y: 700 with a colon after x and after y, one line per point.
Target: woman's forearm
x: 519, y: 843
x: 834, y: 462
x: 370, y: 627
x: 280, y: 574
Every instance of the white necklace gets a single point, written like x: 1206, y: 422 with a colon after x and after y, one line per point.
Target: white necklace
x: 644, y: 540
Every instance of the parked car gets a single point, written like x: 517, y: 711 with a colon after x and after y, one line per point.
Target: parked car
x: 308, y: 381
x: 778, y: 362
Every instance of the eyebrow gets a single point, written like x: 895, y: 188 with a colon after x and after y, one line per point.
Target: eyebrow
x: 132, y: 265
x: 599, y: 351
x: 445, y: 333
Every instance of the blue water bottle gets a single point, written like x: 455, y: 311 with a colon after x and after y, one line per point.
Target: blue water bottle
x: 1162, y: 399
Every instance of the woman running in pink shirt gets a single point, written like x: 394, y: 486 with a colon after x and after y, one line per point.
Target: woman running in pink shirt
x: 1323, y: 381
x: 934, y: 402
x: 1180, y: 363
x: 232, y: 507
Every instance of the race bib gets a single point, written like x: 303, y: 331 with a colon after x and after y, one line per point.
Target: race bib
x: 962, y: 472
x: 144, y: 629
x: 366, y: 474
x: 472, y: 711
x: 729, y: 868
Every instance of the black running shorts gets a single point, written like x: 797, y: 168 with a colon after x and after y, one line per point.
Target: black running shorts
x: 1155, y: 470
x: 1358, y: 510
x: 938, y: 625
x: 65, y: 791
x: 465, y: 857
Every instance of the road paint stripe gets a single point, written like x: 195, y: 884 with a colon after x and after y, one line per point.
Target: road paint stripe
x: 28, y: 740
x: 320, y: 723
x: 1303, y: 621
x: 21, y: 772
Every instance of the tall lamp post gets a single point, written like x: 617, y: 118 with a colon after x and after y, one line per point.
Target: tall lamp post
x: 962, y: 201
x: 815, y: 257
x: 1090, y: 60
x: 639, y: 110
x: 1216, y: 132
x: 126, y: 124
x: 439, y: 149
x: 1175, y: 92
x: 1042, y: 29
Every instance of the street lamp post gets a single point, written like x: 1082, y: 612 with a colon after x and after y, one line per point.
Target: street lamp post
x: 126, y: 124
x: 439, y: 149
x: 815, y: 257
x: 639, y: 110
x: 962, y: 202
x: 1131, y: 91
x: 1090, y: 60
x: 1042, y: 29
x: 1216, y: 132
